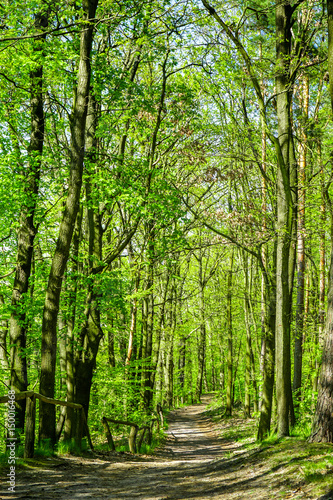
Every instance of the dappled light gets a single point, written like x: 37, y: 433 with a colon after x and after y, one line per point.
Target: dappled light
x: 166, y: 236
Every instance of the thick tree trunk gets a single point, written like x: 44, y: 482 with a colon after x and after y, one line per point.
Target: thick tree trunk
x: 91, y: 332
x: 72, y: 290
x: 285, y: 222
x: 59, y: 261
x: 322, y: 429
x: 91, y: 335
x: 268, y: 364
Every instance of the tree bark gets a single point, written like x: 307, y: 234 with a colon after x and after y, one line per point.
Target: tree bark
x: 91, y: 332
x: 4, y: 363
x: 229, y: 401
x: 132, y: 328
x: 202, y: 336
x: 60, y: 257
x: 168, y: 357
x: 111, y: 354
x: 322, y: 429
x: 298, y: 347
x: 158, y: 334
x: 181, y: 368
x: 268, y: 362
x: 148, y: 321
x: 322, y: 273
x: 330, y: 46
x: 285, y: 214
x: 248, y: 359
x: 62, y: 351
x: 27, y: 230
x: 70, y: 368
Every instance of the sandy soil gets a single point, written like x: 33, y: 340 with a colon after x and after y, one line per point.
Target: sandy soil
x: 195, y: 463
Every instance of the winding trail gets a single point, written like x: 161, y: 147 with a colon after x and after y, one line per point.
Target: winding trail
x: 195, y: 463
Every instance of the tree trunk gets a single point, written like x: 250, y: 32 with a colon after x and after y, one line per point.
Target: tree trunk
x: 322, y: 429
x: 111, y: 355
x: 72, y: 289
x: 202, y: 336
x: 285, y: 221
x: 248, y: 360
x: 323, y: 419
x: 268, y: 336
x: 268, y: 364
x: 91, y: 332
x: 60, y: 257
x: 168, y: 368
x: 322, y: 273
x: 158, y: 336
x: 62, y: 352
x: 4, y: 363
x: 169, y: 343
x: 27, y: 230
x: 148, y: 323
x: 330, y: 46
x: 319, y: 337
x: 132, y: 328
x: 85, y: 366
x: 229, y: 402
x: 181, y: 368
x: 298, y: 347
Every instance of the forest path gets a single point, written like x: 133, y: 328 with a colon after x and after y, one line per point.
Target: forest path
x: 194, y: 463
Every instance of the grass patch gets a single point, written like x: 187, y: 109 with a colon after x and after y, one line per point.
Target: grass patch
x: 158, y: 440
x: 289, y: 463
x: 70, y: 447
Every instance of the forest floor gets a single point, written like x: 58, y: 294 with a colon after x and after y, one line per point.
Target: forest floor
x: 201, y: 459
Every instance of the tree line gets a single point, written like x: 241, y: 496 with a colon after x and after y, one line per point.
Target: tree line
x: 166, y: 216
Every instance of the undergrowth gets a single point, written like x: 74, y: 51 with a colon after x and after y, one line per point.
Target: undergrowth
x: 309, y: 465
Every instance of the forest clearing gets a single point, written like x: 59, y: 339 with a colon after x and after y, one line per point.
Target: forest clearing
x: 166, y: 231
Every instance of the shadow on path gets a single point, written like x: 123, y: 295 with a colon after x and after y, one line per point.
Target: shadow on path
x: 194, y: 463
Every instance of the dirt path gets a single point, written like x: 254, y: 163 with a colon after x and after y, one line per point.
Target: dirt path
x: 194, y: 463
